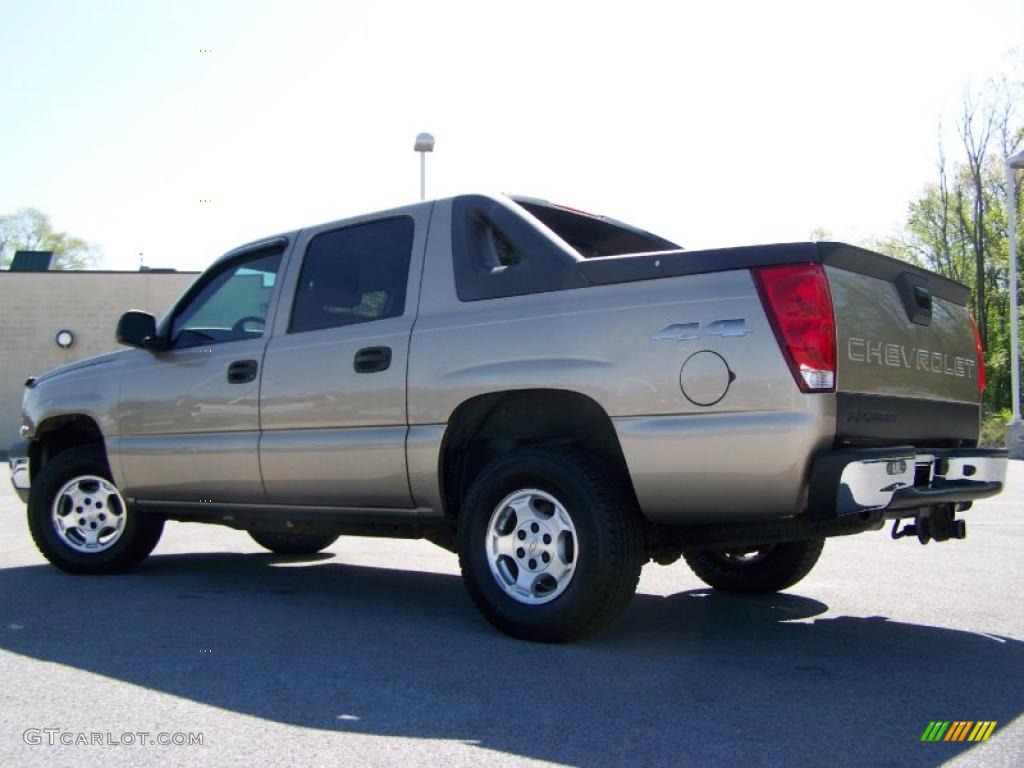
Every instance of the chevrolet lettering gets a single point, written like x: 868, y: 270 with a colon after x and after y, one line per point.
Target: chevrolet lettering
x: 897, y: 355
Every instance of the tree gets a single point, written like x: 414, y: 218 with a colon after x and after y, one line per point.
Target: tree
x: 30, y: 230
x: 957, y: 226
x: 977, y: 122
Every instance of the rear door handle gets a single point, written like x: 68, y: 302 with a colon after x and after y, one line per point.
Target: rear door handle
x: 373, y: 359
x: 241, y: 371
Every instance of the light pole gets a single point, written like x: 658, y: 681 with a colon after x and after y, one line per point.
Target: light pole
x: 1015, y: 429
x: 424, y: 143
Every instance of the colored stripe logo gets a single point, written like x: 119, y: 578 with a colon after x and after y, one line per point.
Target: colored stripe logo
x: 958, y: 730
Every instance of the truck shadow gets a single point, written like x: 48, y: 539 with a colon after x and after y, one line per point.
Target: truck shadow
x: 694, y: 677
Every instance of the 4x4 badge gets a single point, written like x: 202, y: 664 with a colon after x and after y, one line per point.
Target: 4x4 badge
x: 691, y: 331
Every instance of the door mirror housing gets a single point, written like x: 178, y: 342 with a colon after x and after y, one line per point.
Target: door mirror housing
x: 137, y: 329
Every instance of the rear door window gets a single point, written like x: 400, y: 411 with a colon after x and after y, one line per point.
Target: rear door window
x: 354, y: 275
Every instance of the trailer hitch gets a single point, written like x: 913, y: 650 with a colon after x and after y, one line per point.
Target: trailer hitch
x: 939, y: 524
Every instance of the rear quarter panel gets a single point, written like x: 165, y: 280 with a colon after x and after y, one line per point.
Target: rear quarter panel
x: 743, y: 457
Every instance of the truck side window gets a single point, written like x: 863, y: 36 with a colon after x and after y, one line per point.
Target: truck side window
x: 354, y: 275
x: 498, y: 252
x: 231, y: 304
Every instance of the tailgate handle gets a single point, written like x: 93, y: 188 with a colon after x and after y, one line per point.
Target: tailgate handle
x: 922, y: 298
x: 917, y: 299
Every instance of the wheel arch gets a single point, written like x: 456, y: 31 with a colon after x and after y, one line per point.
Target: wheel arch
x: 60, y: 433
x: 486, y: 426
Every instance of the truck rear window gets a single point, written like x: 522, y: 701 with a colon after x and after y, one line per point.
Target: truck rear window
x: 594, y: 236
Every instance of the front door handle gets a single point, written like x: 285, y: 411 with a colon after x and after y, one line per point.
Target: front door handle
x: 373, y: 359
x: 241, y: 371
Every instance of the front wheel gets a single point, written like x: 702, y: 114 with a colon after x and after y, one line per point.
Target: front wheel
x: 755, y: 570
x: 550, y: 545
x: 79, y: 520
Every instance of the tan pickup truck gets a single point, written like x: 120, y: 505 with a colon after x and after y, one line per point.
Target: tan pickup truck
x: 556, y: 396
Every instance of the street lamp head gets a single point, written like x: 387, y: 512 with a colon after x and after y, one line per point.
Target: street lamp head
x: 424, y: 143
x: 1016, y: 161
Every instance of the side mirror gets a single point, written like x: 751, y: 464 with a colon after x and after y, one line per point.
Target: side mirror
x: 137, y: 329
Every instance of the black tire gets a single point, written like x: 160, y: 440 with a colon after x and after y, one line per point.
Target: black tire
x: 607, y: 558
x: 770, y: 568
x: 139, y: 535
x: 292, y: 543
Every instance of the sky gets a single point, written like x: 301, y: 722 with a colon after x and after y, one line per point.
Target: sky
x: 710, y: 123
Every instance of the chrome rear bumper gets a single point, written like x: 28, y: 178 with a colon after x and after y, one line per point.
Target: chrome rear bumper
x: 902, y: 478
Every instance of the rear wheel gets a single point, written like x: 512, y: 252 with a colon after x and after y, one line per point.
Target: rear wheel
x: 79, y: 520
x: 755, y: 570
x: 549, y: 544
x: 292, y: 543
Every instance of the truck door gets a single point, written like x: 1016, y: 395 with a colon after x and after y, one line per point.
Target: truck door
x: 189, y: 414
x: 333, y: 401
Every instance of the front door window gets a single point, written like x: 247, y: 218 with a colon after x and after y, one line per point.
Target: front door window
x: 231, y: 305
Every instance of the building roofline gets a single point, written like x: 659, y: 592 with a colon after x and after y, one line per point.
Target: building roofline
x: 102, y: 272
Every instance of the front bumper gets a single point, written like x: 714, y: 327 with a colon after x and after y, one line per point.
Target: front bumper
x: 17, y: 459
x: 899, y: 478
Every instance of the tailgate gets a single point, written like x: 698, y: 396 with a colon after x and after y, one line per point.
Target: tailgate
x: 906, y: 363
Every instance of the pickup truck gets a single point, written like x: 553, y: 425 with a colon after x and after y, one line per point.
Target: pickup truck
x: 555, y: 396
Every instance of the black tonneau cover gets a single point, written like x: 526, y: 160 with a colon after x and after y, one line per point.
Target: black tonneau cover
x: 651, y: 266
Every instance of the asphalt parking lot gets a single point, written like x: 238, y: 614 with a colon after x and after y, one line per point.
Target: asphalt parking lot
x: 371, y: 654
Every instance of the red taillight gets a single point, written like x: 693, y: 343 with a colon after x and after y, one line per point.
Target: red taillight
x: 799, y: 307
x: 982, y: 376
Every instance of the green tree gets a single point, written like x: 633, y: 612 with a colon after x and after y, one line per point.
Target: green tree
x: 30, y: 230
x: 957, y: 226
